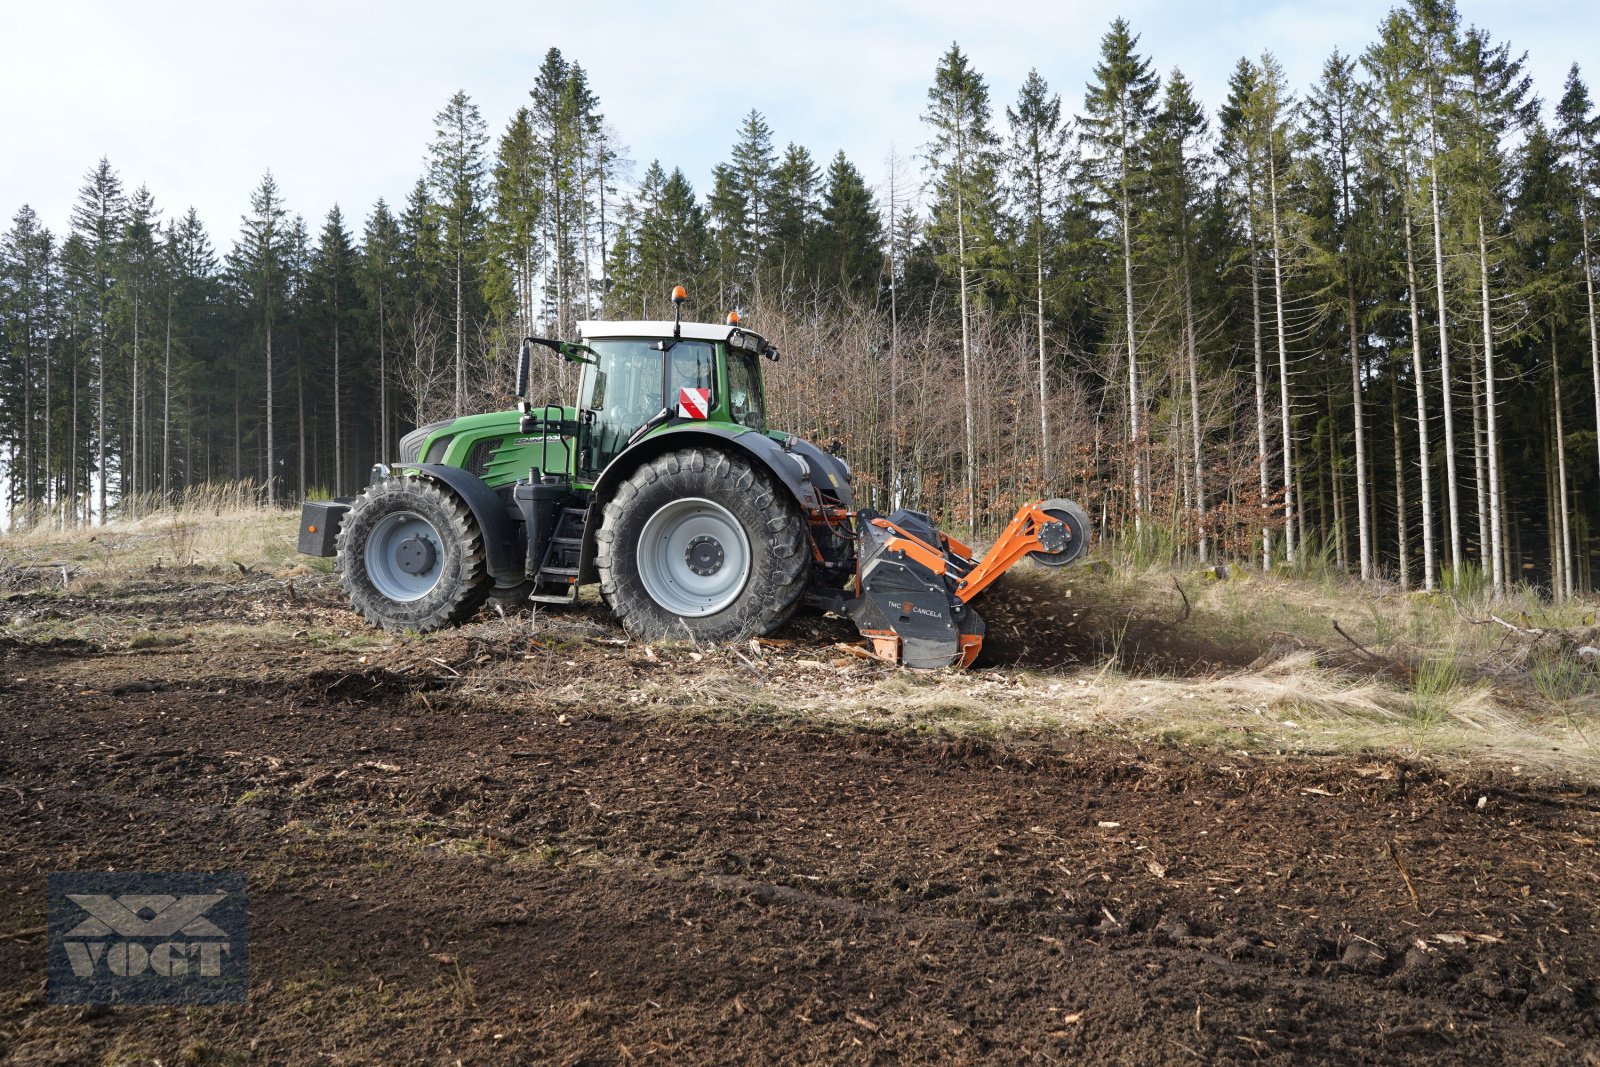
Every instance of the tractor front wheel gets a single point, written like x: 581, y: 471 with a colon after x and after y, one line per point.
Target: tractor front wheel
x: 411, y: 556
x: 700, y: 544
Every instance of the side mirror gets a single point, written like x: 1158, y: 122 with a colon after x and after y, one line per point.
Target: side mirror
x: 523, y: 368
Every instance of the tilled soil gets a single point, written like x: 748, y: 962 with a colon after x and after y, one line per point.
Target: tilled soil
x: 440, y: 877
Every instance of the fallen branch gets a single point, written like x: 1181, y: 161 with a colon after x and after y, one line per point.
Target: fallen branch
x: 1187, y: 607
x: 1357, y: 645
x: 1394, y: 854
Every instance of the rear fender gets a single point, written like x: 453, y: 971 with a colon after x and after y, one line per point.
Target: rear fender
x: 790, y: 470
x: 504, y: 545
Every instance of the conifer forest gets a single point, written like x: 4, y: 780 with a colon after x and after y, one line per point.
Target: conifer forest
x: 1350, y: 323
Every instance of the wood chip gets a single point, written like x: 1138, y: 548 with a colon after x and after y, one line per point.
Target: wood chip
x: 862, y: 1021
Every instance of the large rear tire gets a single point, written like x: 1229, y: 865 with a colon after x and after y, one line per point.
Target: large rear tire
x: 411, y: 556
x: 700, y: 544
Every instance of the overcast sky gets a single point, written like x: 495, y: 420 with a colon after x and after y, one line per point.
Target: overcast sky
x: 197, y: 100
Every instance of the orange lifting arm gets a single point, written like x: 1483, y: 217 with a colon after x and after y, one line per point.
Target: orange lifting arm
x: 913, y: 546
x: 1020, y: 538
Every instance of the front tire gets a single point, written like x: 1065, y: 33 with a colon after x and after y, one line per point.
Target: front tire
x: 700, y: 544
x: 411, y: 556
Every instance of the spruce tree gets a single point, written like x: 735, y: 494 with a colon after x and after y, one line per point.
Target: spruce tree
x: 1119, y: 112
x: 1037, y: 155
x: 963, y: 159
x: 258, y: 268
x: 850, y: 239
x: 97, y: 221
x: 456, y: 173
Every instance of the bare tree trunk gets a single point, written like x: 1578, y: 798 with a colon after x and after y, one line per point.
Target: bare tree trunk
x: 1451, y: 482
x: 131, y: 454
x: 461, y: 338
x: 383, y: 376
x: 300, y: 408
x: 338, y: 413
x: 1588, y: 288
x: 1134, y: 429
x: 966, y: 343
x: 1401, y: 546
x: 166, y: 407
x: 1429, y: 558
x: 1363, y: 522
x: 1044, y: 388
x: 27, y: 416
x: 1289, y: 503
x: 1261, y: 397
x: 272, y: 444
x: 1192, y: 350
x: 1562, y: 509
x: 1493, y: 458
x: 100, y: 410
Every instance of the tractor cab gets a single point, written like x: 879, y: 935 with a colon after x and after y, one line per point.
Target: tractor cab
x: 641, y: 375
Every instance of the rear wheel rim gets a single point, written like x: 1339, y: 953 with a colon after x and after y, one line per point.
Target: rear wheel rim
x: 694, y: 557
x: 404, y: 556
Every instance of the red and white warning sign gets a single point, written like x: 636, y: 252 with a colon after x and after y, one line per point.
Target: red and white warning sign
x: 694, y: 403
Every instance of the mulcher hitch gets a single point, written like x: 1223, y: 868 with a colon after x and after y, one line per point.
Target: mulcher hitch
x: 915, y: 584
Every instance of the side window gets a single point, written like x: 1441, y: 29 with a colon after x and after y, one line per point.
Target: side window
x: 744, y: 391
x: 691, y: 365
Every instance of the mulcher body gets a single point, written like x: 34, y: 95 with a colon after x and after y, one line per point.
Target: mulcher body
x: 664, y: 486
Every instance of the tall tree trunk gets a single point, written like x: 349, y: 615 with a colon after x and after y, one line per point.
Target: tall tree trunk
x: 1044, y: 388
x: 1289, y: 502
x: 51, y: 496
x: 383, y: 377
x: 1134, y: 429
x: 1198, y: 435
x: 1453, y: 505
x: 100, y: 409
x: 1490, y: 426
x: 338, y: 411
x: 272, y: 449
x: 461, y: 340
x: 1261, y: 396
x: 1562, y: 509
x: 1588, y: 288
x: 966, y: 343
x: 1402, y: 548
x: 1363, y: 521
x: 131, y: 454
x: 1424, y: 452
x: 300, y: 410
x: 166, y: 407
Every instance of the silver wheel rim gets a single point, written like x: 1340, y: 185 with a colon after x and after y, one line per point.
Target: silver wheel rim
x: 694, y: 557
x: 393, y: 545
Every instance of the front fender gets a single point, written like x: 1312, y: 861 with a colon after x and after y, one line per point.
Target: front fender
x: 504, y: 540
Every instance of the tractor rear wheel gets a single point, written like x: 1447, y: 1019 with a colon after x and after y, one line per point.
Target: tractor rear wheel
x: 411, y: 556
x: 700, y: 544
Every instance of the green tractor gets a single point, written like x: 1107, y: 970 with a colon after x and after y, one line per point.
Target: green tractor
x: 665, y: 486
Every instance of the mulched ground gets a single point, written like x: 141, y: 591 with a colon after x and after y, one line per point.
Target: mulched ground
x: 436, y: 876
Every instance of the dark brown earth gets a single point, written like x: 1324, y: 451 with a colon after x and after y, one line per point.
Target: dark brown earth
x: 504, y: 872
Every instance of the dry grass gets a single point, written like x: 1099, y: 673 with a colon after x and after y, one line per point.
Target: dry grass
x: 1254, y: 662
x: 209, y: 526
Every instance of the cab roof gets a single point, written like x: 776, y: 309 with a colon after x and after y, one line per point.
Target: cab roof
x: 595, y: 329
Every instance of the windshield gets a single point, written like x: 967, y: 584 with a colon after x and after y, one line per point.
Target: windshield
x: 624, y: 389
x: 744, y: 391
